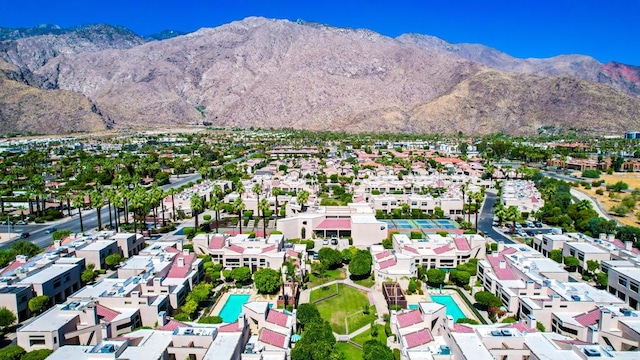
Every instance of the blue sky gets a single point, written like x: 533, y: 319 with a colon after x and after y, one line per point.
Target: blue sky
x: 605, y: 29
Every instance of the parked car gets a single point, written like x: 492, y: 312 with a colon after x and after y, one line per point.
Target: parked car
x: 21, y: 222
x: 538, y: 224
x: 51, y: 230
x: 325, y: 241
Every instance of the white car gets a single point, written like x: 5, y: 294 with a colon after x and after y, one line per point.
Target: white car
x: 21, y: 222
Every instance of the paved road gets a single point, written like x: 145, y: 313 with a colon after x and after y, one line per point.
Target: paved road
x: 89, y: 219
x: 485, y: 222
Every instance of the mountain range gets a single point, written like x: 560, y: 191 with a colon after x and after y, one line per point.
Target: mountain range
x: 277, y: 73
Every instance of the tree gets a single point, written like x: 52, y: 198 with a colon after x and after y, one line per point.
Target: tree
x: 189, y: 308
x: 267, y: 280
x: 241, y: 274
x: 88, y: 276
x: 78, y: 203
x: 276, y: 191
x: 38, y: 304
x: 263, y: 207
x: 317, y: 343
x: 460, y: 277
x: 435, y: 277
x: 331, y: 258
x: 487, y: 299
x: 7, y: 317
x: 24, y: 247
x: 40, y: 354
x: 501, y: 213
x: 592, y: 265
x: 412, y: 288
x: 556, y: 255
x: 113, y: 260
x: 13, y: 352
x: 97, y: 202
x: 360, y: 265
x: 307, y: 313
x: 196, y: 207
x: 238, y: 206
x: 375, y: 350
x: 302, y: 198
x: 216, y: 205
x: 602, y: 280
x: 513, y: 214
x: 571, y: 262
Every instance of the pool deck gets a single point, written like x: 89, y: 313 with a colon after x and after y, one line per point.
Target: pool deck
x: 456, y: 297
x: 223, y: 299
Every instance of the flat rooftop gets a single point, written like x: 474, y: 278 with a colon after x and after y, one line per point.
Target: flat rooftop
x: 47, y: 274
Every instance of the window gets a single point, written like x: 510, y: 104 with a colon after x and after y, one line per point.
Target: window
x: 572, y: 252
x: 36, y: 340
x: 633, y: 287
x: 124, y: 326
x: 57, y: 283
x: 622, y: 281
x: 580, y: 256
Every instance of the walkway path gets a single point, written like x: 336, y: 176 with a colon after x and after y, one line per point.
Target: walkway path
x: 596, y: 204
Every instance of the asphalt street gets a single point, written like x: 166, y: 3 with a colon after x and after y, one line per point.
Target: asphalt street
x: 39, y: 236
x: 485, y: 222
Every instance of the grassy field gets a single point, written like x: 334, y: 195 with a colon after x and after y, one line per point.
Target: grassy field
x: 350, y: 352
x: 322, y: 292
x: 632, y: 179
x: 349, y: 302
x: 365, y: 282
x: 366, y: 336
x: 329, y: 275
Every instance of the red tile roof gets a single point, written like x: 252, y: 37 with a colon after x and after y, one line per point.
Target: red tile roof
x: 410, y: 249
x: 269, y: 248
x: 383, y: 254
x: 179, y: 272
x: 411, y: 318
x: 14, y: 265
x: 508, y: 251
x: 105, y: 313
x: 462, y: 328
x: 418, y: 338
x: 521, y: 326
x: 171, y: 249
x: 588, y: 318
x: 342, y: 224
x: 272, y: 338
x: 387, y: 263
x: 462, y: 244
x: 278, y: 318
x: 172, y: 325
x: 217, y: 242
x: 442, y: 249
x: 236, y: 248
x: 292, y: 254
x: 502, y: 274
x: 232, y: 327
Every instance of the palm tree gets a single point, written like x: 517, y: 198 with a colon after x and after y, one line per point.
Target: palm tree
x: 276, y: 191
x: 478, y: 197
x: 196, y: 206
x: 97, y: 202
x: 500, y: 212
x: 302, y: 199
x: 156, y: 194
x: 257, y: 190
x: 238, y: 206
x: 173, y: 192
x: 21, y: 208
x: 584, y: 205
x: 463, y: 189
x: 513, y: 214
x: 78, y: 203
x: 263, y: 206
x: 109, y: 195
x: 216, y: 205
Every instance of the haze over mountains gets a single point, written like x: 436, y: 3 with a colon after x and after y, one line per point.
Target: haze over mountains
x: 276, y: 73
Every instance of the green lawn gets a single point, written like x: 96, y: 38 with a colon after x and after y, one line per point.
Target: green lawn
x: 350, y: 352
x: 365, y: 282
x: 322, y: 292
x: 366, y: 336
x: 348, y: 302
x: 329, y: 275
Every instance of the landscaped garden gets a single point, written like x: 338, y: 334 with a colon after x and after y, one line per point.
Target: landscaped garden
x: 350, y: 352
x: 349, y: 307
x: 327, y: 276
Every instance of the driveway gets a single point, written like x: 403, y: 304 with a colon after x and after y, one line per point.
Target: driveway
x: 485, y: 222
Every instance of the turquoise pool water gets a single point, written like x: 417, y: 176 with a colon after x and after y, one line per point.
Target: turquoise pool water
x: 452, y: 308
x: 413, y: 306
x: 233, y: 307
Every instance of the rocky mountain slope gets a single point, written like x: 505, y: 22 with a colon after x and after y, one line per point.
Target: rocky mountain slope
x: 30, y: 110
x: 276, y: 73
x: 579, y: 66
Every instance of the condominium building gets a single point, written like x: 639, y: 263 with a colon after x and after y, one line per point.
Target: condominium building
x: 522, y: 194
x: 242, y: 250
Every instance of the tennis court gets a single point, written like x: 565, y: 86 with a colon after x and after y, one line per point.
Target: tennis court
x: 405, y: 224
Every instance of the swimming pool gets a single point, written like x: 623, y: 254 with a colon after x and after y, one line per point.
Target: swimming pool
x: 233, y: 307
x: 452, y: 308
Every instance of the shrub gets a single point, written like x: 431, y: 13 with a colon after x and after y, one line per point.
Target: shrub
x: 182, y: 317
x: 592, y: 174
x: 206, y: 217
x: 509, y: 320
x: 467, y: 321
x: 210, y: 320
x: 599, y: 191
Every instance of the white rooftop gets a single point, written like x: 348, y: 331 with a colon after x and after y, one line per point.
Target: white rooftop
x: 47, y: 274
x: 97, y: 245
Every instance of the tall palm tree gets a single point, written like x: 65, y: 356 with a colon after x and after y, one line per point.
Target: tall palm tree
x: 263, y: 206
x: 21, y: 208
x: 257, y: 190
x: 78, y: 203
x: 303, y: 198
x: 216, y: 205
x: 463, y: 189
x: 156, y: 194
x: 109, y: 195
x: 276, y: 191
x: 584, y: 205
x: 196, y: 207
x: 173, y: 192
x: 477, y: 197
x: 97, y: 202
x: 513, y: 214
x: 238, y: 206
x: 500, y: 212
